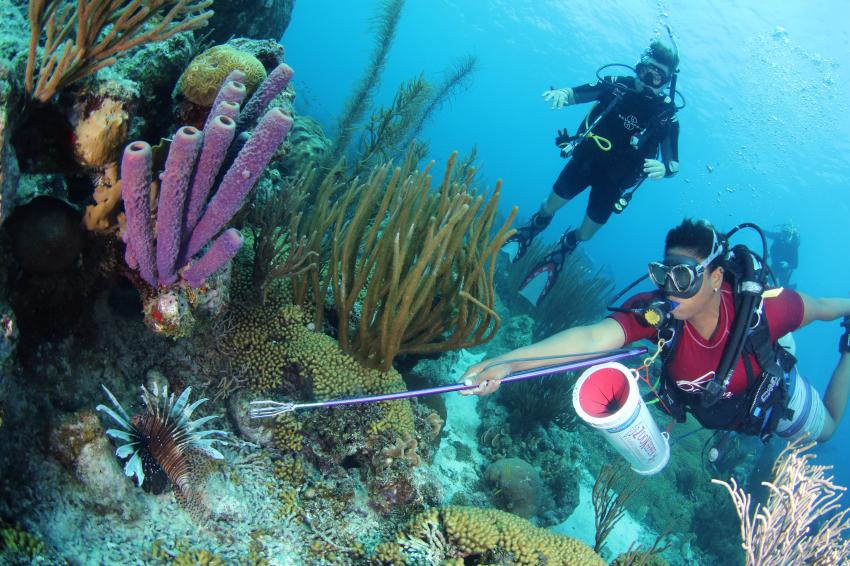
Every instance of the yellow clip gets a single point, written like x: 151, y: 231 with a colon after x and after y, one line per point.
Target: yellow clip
x: 651, y: 359
x: 771, y: 293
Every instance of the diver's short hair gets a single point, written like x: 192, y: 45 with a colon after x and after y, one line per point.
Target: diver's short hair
x: 696, y: 236
x: 663, y: 54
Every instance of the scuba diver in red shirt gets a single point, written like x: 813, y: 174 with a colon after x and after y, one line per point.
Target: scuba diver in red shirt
x: 616, y: 148
x: 717, y: 326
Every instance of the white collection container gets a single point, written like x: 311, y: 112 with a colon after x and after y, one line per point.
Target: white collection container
x: 606, y: 396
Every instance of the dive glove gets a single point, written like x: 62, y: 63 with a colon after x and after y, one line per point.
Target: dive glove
x: 559, y: 97
x: 563, y: 138
x: 654, y: 169
x: 844, y: 341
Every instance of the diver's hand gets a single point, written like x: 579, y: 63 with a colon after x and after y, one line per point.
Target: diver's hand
x: 488, y: 380
x: 654, y: 169
x: 559, y: 97
x: 844, y: 341
x: 563, y: 138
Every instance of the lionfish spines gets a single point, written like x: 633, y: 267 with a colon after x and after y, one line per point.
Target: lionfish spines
x: 157, y: 442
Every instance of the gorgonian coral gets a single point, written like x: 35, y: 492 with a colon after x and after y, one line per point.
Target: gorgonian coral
x: 162, y: 438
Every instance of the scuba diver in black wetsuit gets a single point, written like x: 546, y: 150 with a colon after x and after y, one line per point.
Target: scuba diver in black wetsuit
x: 615, y: 149
x: 784, y: 251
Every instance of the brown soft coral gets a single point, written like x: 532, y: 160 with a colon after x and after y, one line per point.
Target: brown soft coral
x: 403, y: 449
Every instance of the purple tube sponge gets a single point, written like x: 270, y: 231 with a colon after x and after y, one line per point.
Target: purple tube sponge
x: 222, y: 250
x: 232, y: 90
x: 217, y: 138
x: 224, y: 108
x: 268, y: 89
x: 136, y: 192
x: 240, y: 178
x: 172, y: 200
x: 185, y: 221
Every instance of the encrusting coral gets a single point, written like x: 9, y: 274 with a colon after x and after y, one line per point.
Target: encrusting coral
x: 104, y: 215
x: 449, y: 533
x: 101, y: 132
x: 278, y: 344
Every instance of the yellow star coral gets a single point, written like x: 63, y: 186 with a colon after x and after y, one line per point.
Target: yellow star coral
x: 449, y: 533
x: 277, y: 344
x: 287, y: 433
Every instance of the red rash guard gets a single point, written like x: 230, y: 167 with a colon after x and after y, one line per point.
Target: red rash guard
x: 696, y: 358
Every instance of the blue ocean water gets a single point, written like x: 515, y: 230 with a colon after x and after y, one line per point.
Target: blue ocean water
x: 764, y: 139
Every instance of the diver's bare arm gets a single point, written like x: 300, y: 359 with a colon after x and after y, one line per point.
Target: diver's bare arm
x: 823, y: 309
x: 606, y: 334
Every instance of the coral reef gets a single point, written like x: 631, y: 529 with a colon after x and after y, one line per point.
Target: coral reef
x: 8, y: 161
x: 555, y: 453
x: 309, y: 145
x: 277, y: 342
x: 322, y: 268
x: 639, y: 558
x: 104, y: 216
x: 65, y: 60
x: 280, y: 249
x: 439, y: 535
x: 8, y: 336
x: 613, y: 489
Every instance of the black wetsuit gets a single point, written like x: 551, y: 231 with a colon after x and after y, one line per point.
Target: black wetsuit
x: 784, y: 256
x: 609, y: 173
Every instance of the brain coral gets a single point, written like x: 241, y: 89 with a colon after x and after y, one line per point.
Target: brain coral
x: 516, y: 486
x: 203, y: 77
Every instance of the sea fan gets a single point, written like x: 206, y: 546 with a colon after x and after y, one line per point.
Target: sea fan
x: 160, y: 438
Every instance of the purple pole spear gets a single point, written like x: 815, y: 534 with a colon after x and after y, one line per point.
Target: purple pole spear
x: 268, y: 408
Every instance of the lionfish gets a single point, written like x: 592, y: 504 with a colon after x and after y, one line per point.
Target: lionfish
x: 162, y: 439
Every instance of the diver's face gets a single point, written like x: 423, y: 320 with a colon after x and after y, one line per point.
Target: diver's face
x: 703, y: 299
x: 652, y: 74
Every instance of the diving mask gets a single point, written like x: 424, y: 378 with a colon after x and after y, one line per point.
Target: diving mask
x: 651, y: 74
x: 681, y: 276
